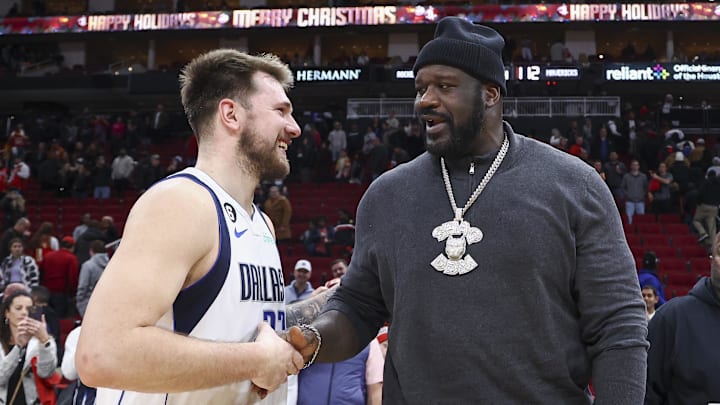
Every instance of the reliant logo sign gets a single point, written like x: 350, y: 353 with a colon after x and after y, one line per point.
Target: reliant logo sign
x: 663, y: 72
x: 630, y: 73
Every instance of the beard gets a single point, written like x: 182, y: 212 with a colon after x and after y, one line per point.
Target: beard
x: 259, y: 158
x: 462, y: 134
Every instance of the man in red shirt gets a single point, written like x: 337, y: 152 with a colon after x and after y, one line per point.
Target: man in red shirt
x: 60, y: 276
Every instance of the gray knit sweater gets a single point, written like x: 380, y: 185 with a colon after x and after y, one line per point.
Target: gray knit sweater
x: 553, y: 304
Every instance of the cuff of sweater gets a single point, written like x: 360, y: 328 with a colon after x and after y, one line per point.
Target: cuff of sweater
x: 619, y: 376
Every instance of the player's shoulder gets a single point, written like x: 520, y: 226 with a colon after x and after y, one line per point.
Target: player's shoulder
x: 174, y: 199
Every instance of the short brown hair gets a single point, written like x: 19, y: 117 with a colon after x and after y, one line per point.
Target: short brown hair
x: 98, y: 246
x: 224, y: 73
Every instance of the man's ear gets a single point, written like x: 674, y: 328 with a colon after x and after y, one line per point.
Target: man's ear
x: 492, y: 95
x: 231, y: 114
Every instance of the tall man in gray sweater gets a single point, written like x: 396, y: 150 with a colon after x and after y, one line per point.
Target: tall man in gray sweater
x: 500, y: 285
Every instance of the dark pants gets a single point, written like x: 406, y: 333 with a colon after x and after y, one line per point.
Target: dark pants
x: 59, y: 302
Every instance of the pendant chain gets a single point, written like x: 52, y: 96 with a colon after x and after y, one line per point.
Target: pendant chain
x: 459, y: 213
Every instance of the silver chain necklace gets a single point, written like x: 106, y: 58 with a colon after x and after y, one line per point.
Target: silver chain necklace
x: 458, y: 233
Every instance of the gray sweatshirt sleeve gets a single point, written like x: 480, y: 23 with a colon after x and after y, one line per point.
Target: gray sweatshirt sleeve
x: 359, y: 296
x: 82, y: 297
x: 611, y: 310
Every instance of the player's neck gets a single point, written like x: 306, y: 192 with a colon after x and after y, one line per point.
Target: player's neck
x: 226, y: 173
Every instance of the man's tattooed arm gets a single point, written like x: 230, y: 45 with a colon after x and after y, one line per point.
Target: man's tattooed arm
x: 304, y: 312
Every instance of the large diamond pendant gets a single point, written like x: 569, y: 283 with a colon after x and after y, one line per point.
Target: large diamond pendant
x: 457, y: 234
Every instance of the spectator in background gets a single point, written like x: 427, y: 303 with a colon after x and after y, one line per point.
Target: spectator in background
x: 659, y: 186
x: 101, y: 179
x: 598, y: 166
x: 82, y: 183
x: 578, y: 149
x: 337, y: 139
x: 18, y: 267
x: 323, y: 163
x: 279, y: 210
x: 650, y: 297
x: 160, y: 123
x: 17, y: 142
x: 82, y: 244
x: 647, y: 275
x: 378, y: 159
x: 49, y: 172
x: 318, y: 238
x: 175, y: 165
x: 342, y: 167
x: 82, y: 227
x: 354, y: 139
x: 635, y: 188
x: 355, y: 381
x: 555, y: 137
x: 614, y: 171
x: 338, y: 268
x: 602, y: 145
x: 705, y: 218
x: 107, y: 225
x: 40, y: 296
x: 43, y: 242
x: 20, y: 346
x: 392, y: 121
x: 90, y: 273
x: 117, y: 134
x: 3, y: 177
x: 683, y: 361
x: 19, y: 175
x: 679, y: 167
x: 60, y: 271
x: 13, y: 207
x: 526, y: 46
x: 150, y: 172
x: 300, y: 288
x: 122, y: 167
x: 21, y: 230
x: 700, y: 156
x: 715, y: 167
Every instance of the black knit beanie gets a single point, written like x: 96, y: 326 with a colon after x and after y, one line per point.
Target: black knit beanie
x: 475, y: 49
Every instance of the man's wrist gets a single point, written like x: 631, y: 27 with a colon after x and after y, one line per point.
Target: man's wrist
x: 318, y: 338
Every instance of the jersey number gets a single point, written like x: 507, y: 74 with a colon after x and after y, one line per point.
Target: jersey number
x: 276, y: 319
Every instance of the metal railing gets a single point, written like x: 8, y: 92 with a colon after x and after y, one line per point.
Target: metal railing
x: 358, y: 108
x: 42, y: 68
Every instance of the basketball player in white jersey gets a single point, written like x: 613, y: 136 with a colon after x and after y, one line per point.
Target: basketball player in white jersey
x: 185, y: 310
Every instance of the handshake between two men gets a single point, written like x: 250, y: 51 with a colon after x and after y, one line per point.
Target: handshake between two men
x: 288, y: 352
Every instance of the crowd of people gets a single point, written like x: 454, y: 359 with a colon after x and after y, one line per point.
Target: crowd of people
x: 651, y: 168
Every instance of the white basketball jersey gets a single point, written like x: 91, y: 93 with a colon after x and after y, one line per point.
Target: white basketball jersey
x: 244, y: 287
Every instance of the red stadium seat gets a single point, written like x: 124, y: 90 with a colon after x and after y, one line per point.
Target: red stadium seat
x: 669, y: 219
x: 649, y: 228
x: 677, y: 229
x: 672, y: 265
x: 685, y: 279
x: 683, y: 240
x: 644, y: 218
x: 655, y: 240
x: 662, y: 251
x: 695, y: 250
x: 700, y: 265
